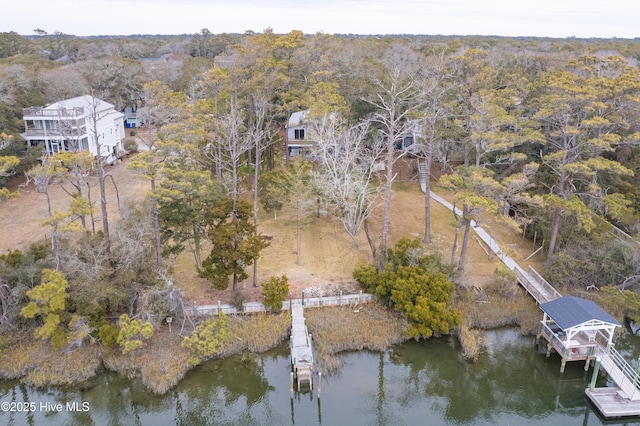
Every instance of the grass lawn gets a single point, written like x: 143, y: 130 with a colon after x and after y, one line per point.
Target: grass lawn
x: 21, y: 217
x: 327, y: 254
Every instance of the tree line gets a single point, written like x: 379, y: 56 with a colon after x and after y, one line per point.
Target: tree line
x: 541, y: 132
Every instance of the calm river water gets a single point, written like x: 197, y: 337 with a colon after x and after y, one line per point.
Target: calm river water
x: 425, y: 383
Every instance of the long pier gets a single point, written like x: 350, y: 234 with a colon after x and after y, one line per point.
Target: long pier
x: 620, y: 401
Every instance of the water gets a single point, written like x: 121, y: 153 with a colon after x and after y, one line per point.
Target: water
x: 411, y: 384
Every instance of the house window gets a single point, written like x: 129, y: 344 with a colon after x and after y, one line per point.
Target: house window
x: 408, y: 141
x: 84, y: 144
x: 299, y: 133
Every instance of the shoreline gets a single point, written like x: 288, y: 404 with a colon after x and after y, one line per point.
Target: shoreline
x: 162, y: 363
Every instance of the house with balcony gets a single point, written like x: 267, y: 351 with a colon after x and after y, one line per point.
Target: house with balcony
x: 84, y: 123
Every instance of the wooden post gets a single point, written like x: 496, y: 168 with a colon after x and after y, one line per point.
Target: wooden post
x: 291, y: 384
x: 319, y: 384
x: 535, y: 237
x: 594, y: 377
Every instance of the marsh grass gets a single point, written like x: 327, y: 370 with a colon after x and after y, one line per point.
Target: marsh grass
x: 472, y: 341
x: 36, y: 363
x: 498, y: 311
x: 343, y: 328
x: 160, y: 365
x: 501, y: 303
x: 256, y: 333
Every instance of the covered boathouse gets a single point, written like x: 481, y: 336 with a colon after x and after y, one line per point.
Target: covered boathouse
x: 578, y: 329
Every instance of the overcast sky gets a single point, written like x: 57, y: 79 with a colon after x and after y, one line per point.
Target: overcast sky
x: 543, y: 18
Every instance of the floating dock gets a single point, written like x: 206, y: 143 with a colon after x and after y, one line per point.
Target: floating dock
x: 611, y: 404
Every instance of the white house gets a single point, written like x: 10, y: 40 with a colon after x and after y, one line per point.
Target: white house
x: 77, y: 124
x: 298, y: 136
x: 131, y: 119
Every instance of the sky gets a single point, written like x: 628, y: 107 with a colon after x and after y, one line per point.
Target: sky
x: 539, y: 18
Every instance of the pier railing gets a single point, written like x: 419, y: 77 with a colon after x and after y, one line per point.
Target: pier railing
x: 555, y: 294
x: 629, y: 372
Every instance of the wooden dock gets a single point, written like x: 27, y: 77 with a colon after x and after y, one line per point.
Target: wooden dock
x: 609, y: 402
x: 620, y: 401
x: 301, y: 348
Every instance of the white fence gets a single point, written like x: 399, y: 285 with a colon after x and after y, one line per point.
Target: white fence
x: 253, y: 307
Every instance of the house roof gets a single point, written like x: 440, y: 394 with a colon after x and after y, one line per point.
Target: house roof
x: 84, y: 101
x: 570, y: 311
x: 297, y: 118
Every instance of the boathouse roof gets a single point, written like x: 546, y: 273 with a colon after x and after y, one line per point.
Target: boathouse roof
x: 570, y: 311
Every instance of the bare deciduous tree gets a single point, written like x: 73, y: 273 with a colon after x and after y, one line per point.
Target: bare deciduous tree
x: 396, y: 99
x: 345, y: 172
x: 435, y: 83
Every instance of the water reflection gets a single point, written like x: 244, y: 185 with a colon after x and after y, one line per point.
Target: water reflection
x: 414, y: 383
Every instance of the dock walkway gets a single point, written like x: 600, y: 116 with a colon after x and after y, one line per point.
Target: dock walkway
x: 301, y: 348
x: 531, y: 280
x: 620, y: 401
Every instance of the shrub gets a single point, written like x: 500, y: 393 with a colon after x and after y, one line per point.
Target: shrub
x: 13, y: 258
x: 237, y: 301
x: 108, y: 334
x: 132, y: 333
x: 424, y: 298
x: 621, y: 304
x: 275, y: 292
x: 130, y: 145
x: 367, y: 276
x: 206, y: 339
x: 39, y: 251
x: 505, y: 283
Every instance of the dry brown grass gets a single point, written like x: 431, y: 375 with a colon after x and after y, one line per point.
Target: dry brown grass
x: 472, y: 341
x: 343, y: 328
x: 256, y: 333
x: 479, y: 267
x: 327, y: 256
x: 36, y: 363
x: 20, y: 217
x: 491, y: 310
x: 161, y: 364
